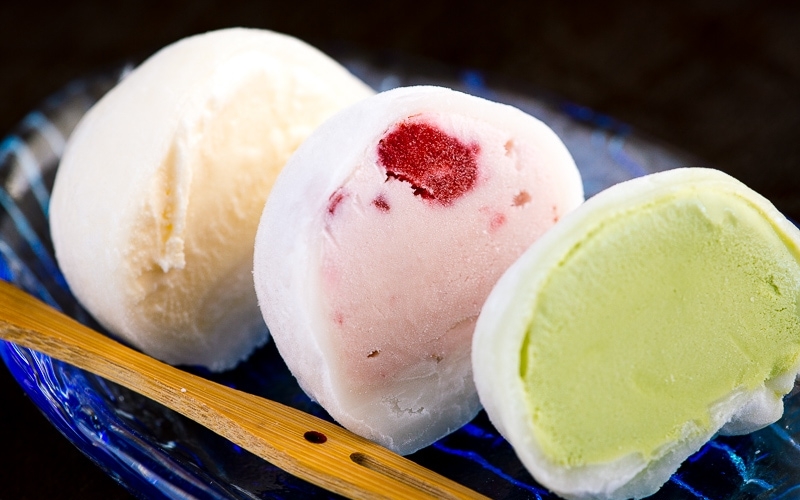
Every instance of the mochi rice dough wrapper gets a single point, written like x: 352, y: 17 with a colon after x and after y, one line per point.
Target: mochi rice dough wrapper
x: 381, y: 240
x: 662, y: 311
x: 157, y: 199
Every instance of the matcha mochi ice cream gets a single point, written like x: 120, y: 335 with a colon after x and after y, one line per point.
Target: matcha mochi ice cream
x: 661, y: 312
x: 158, y: 196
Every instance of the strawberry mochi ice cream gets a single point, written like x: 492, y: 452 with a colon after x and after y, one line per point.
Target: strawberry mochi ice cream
x: 381, y: 240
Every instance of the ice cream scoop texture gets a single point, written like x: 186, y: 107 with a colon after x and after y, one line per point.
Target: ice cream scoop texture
x: 158, y: 195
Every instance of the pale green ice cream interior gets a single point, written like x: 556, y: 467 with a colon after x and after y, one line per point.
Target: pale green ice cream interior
x: 659, y: 312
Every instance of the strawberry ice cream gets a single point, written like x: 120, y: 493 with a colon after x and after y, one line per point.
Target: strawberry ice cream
x: 381, y: 240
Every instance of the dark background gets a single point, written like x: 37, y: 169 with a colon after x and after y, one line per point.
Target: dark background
x: 720, y: 80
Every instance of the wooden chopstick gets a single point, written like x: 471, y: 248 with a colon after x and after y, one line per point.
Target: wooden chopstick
x: 318, y: 451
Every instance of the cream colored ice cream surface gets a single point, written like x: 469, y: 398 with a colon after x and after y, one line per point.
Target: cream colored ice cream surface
x: 158, y: 196
x: 383, y: 237
x: 661, y: 312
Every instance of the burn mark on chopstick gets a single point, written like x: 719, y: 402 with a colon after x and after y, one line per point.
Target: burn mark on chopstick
x: 315, y: 437
x: 404, y: 477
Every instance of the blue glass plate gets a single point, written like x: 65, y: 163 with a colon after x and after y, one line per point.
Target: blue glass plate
x: 156, y: 453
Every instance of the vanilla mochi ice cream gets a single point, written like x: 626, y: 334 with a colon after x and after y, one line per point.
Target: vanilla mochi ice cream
x: 661, y: 312
x: 158, y: 195
x: 381, y: 240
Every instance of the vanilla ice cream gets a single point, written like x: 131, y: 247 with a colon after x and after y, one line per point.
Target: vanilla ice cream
x: 158, y: 196
x: 381, y: 240
x: 662, y: 311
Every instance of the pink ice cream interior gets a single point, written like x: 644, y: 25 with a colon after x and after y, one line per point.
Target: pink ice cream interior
x: 415, y: 239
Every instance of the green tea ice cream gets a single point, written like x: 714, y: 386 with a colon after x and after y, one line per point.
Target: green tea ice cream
x: 661, y: 312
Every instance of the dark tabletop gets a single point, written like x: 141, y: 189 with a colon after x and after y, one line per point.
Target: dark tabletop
x: 720, y: 80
